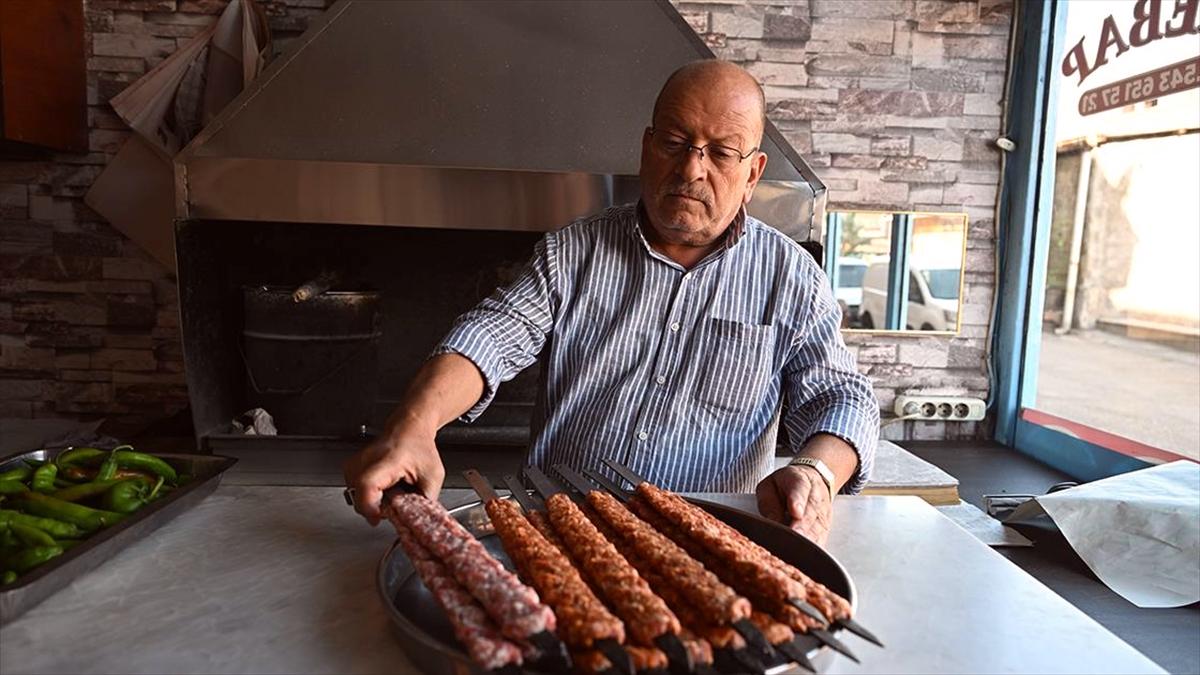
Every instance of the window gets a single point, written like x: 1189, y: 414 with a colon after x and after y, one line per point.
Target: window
x: 1097, y: 338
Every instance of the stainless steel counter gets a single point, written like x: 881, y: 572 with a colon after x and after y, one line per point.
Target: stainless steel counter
x: 281, y: 579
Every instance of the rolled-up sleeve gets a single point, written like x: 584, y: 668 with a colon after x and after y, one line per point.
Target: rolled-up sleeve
x: 825, y: 393
x: 504, y: 333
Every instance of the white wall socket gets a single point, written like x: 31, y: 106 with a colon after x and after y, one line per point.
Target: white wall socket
x: 944, y: 408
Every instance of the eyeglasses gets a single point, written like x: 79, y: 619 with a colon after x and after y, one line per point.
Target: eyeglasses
x: 722, y: 157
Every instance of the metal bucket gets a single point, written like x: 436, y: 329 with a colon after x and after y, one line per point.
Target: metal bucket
x: 313, y: 365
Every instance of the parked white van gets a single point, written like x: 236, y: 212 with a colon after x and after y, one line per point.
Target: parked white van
x: 932, y: 298
x: 850, y: 273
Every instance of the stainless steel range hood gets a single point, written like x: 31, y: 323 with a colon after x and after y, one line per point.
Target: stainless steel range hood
x: 471, y: 115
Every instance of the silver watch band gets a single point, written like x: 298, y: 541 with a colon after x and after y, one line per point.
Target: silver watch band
x: 822, y: 470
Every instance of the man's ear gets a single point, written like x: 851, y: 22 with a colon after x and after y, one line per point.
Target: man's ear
x: 758, y: 164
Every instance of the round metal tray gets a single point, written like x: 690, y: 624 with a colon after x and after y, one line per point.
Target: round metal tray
x: 429, y: 640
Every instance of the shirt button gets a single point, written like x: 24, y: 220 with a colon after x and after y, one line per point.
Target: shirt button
x: 643, y: 435
x: 674, y: 326
x: 660, y: 379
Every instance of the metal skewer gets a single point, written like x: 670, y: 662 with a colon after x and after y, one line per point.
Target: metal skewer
x: 542, y: 483
x: 518, y: 493
x: 607, y: 483
x: 616, y: 655
x: 795, y: 652
x: 856, y: 628
x: 826, y: 638
x: 624, y: 472
x: 808, y: 609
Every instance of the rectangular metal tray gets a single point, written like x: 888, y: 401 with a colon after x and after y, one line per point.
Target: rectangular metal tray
x: 42, y: 582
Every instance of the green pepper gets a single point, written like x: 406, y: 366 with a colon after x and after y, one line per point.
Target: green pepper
x: 31, y: 536
x: 130, y: 495
x: 68, y: 544
x: 7, y: 538
x: 56, y: 528
x: 108, y: 469
x: 29, y: 558
x: 128, y: 459
x: 95, y: 488
x: 8, y: 577
x: 76, y: 456
x: 87, y: 519
x: 12, y: 487
x: 43, y: 478
x: 19, y: 473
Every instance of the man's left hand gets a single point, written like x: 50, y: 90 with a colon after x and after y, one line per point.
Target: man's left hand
x: 797, y: 497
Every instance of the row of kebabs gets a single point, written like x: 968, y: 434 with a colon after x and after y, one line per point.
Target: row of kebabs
x: 651, y: 584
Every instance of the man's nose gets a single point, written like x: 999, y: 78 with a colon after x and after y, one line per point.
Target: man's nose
x: 691, y: 166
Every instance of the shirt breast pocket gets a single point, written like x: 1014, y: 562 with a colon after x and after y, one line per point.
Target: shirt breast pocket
x: 736, y: 365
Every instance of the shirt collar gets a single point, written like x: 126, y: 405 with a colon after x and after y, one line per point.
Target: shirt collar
x: 733, y: 234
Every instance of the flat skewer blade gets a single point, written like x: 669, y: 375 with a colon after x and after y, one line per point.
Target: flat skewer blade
x: 748, y: 662
x: 574, y: 479
x: 754, y: 637
x: 607, y: 483
x: 834, y: 643
x: 616, y: 655
x: 541, y: 482
x: 678, y: 658
x: 518, y: 493
x: 624, y: 472
x: 808, y: 609
x: 482, y: 486
x: 856, y: 628
x: 554, y: 656
x: 795, y: 652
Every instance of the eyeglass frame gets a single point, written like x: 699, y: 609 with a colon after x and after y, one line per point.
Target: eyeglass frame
x: 689, y: 146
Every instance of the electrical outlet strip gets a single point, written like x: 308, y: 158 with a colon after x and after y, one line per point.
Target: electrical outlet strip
x: 943, y: 408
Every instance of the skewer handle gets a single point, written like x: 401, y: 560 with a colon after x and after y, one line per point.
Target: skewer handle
x: 541, y: 482
x: 481, y: 485
x: 624, y: 472
x: 574, y: 479
x: 607, y: 483
x: 518, y: 492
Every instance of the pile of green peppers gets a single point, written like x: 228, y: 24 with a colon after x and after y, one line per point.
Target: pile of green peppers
x: 48, y: 507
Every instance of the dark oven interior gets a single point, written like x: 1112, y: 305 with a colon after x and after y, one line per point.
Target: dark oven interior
x: 425, y: 277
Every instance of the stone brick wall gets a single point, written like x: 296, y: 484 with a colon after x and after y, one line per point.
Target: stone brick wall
x: 89, y: 324
x: 895, y: 104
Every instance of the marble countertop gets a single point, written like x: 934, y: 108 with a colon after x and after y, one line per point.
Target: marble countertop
x: 260, y: 579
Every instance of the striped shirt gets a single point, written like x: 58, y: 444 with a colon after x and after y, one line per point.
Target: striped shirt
x: 677, y: 373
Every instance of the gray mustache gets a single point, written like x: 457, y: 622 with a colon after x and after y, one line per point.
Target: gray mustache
x: 687, y: 190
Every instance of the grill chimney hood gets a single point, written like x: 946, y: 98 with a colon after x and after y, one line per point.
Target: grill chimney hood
x: 511, y: 115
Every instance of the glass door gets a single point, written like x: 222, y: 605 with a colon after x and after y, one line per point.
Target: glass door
x: 1106, y: 376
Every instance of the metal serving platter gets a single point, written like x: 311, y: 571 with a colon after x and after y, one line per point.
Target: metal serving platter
x: 429, y: 640
x: 43, y: 581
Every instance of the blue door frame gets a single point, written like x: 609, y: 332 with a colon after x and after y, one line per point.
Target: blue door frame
x: 897, y: 297
x: 1022, y: 248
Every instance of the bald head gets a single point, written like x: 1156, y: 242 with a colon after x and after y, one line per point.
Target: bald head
x: 720, y: 79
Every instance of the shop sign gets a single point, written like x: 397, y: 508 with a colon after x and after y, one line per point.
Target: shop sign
x: 1152, y: 21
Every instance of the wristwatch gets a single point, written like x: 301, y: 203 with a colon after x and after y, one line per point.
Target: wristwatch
x: 826, y: 474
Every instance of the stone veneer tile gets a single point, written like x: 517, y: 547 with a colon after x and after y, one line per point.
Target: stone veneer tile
x: 901, y: 103
x: 860, y: 9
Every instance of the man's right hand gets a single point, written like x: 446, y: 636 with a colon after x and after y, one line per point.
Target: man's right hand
x: 403, y: 454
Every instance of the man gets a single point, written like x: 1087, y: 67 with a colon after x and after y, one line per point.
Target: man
x: 673, y: 329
